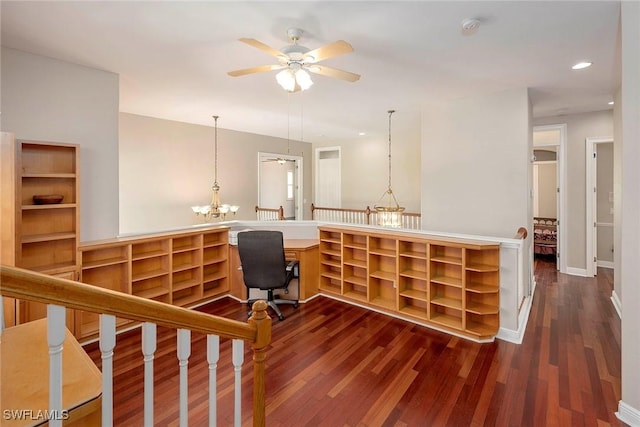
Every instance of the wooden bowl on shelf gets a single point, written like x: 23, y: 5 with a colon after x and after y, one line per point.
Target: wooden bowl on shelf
x: 47, y: 199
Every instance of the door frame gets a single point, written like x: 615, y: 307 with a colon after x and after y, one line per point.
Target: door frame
x: 299, y: 184
x: 561, y: 257
x: 316, y: 177
x: 591, y: 201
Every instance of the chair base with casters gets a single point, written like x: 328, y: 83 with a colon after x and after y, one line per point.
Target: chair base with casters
x: 264, y: 266
x: 273, y: 301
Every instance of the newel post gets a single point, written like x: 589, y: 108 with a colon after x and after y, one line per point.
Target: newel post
x: 262, y: 322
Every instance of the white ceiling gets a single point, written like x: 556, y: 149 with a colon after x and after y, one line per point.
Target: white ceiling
x: 172, y: 57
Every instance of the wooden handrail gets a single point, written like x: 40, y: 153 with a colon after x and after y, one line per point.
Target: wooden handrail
x: 278, y: 211
x: 366, y: 211
x: 28, y: 285
x: 521, y: 233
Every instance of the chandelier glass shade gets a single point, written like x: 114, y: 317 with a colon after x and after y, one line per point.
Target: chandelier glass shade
x: 388, y: 210
x: 215, y: 209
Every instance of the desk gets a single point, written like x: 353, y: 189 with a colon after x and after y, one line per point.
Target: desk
x: 305, y: 251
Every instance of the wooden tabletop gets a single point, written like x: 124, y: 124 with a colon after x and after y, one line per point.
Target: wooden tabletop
x: 300, y: 243
x: 24, y: 366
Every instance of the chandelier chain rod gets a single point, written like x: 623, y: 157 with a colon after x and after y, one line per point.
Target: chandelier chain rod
x: 215, y: 161
x: 390, y: 113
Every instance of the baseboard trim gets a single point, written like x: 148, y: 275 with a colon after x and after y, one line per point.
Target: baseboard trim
x: 617, y: 304
x: 628, y: 414
x: 416, y: 322
x: 605, y: 264
x: 517, y: 336
x: 577, y: 271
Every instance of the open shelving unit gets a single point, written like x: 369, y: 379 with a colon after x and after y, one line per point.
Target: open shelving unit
x: 451, y: 284
x: 330, y: 261
x: 413, y: 294
x: 39, y: 237
x: 183, y: 269
x: 383, y: 253
x: 215, y: 263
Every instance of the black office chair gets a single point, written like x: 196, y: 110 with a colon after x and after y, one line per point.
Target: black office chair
x: 264, y: 266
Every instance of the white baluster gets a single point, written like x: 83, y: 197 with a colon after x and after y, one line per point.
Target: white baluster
x: 213, y: 355
x: 184, y: 351
x: 107, y: 344
x: 238, y: 359
x: 56, y: 331
x: 148, y: 350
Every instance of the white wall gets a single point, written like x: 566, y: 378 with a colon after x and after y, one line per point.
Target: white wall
x: 166, y: 167
x: 579, y: 128
x: 475, y: 166
x: 604, y: 203
x: 49, y: 100
x: 630, y: 242
x: 365, y: 163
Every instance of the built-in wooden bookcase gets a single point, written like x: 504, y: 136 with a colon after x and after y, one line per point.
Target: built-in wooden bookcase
x: 451, y: 284
x: 106, y: 267
x: 383, y: 254
x: 39, y: 237
x: 182, y: 269
x: 151, y: 270
x: 445, y: 285
x: 482, y: 291
x: 186, y: 269
x: 215, y: 263
x: 355, y: 265
x: 413, y: 294
x: 331, y: 261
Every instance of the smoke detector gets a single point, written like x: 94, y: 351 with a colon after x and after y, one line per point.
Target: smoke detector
x: 470, y: 26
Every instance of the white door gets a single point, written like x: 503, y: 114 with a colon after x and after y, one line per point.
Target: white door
x: 328, y: 181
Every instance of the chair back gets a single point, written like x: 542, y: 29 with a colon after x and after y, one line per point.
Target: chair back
x: 262, y: 258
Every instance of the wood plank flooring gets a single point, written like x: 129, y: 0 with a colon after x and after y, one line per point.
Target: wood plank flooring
x: 333, y: 364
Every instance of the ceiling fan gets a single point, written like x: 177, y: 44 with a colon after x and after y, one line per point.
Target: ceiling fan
x: 295, y: 60
x: 280, y: 160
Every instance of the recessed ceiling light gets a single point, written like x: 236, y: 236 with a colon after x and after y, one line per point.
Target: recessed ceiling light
x: 362, y: 133
x: 611, y: 102
x: 581, y: 65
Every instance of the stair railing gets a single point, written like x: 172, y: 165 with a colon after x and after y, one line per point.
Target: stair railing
x: 61, y: 294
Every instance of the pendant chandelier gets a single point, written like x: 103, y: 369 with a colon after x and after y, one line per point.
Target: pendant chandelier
x: 215, y: 209
x: 388, y: 210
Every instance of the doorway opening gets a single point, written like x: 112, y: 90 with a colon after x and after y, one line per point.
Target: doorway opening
x: 280, y: 183
x: 599, y: 196
x: 550, y: 177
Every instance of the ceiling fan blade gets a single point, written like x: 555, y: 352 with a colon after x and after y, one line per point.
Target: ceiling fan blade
x: 260, y: 69
x: 255, y: 43
x: 334, y: 72
x: 329, y: 51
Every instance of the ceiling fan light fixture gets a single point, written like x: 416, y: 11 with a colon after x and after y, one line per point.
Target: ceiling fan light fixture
x: 287, y: 80
x: 303, y: 79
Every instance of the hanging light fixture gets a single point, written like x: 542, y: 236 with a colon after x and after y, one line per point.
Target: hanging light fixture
x: 294, y: 76
x: 389, y: 211
x: 215, y: 209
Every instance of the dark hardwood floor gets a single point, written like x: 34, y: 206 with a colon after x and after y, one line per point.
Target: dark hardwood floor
x: 333, y: 364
